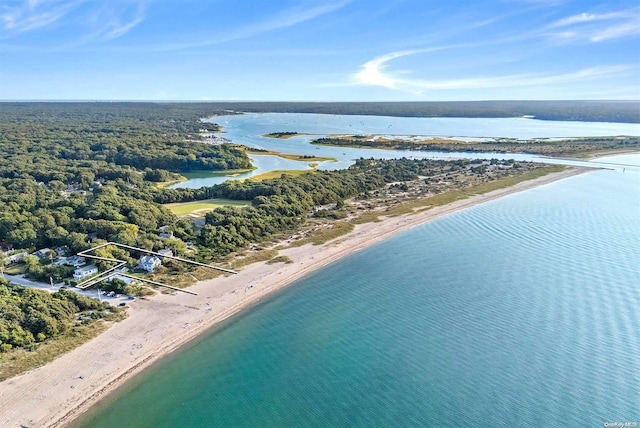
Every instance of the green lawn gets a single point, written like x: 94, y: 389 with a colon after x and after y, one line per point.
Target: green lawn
x: 15, y: 269
x: 201, y: 207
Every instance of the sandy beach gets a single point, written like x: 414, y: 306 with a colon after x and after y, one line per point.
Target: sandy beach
x: 55, y: 394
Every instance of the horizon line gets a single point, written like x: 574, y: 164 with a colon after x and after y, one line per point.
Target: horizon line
x: 88, y: 100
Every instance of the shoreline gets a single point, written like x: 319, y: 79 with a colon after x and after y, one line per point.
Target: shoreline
x: 59, y: 392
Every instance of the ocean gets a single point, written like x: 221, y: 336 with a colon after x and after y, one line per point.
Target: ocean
x: 523, y: 311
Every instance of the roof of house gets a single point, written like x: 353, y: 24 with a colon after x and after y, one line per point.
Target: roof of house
x: 149, y: 259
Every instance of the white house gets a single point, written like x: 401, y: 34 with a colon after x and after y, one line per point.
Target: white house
x: 85, y: 272
x: 149, y: 263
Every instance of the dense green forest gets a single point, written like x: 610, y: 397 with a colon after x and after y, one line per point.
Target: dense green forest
x: 77, y: 142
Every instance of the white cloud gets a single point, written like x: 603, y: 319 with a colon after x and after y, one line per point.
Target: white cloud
x: 373, y: 73
x: 22, y: 16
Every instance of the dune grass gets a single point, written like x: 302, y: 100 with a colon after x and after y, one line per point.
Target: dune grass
x: 254, y: 257
x: 454, y: 195
x: 280, y: 259
x: 19, y: 361
x: 321, y: 236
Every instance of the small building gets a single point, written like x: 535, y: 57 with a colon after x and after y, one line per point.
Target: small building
x: 62, y: 250
x: 41, y: 254
x: 165, y: 232
x: 16, y: 258
x: 149, y: 263
x: 75, y: 261
x: 165, y: 252
x: 85, y: 272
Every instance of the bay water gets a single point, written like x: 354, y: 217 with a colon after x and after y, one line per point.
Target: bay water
x: 523, y: 311
x: 249, y: 129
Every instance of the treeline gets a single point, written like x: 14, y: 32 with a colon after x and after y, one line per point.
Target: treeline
x: 183, y: 118
x: 590, y: 111
x: 284, y: 134
x: 29, y: 316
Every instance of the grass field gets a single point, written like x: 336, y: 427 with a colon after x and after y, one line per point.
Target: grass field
x: 201, y: 207
x: 278, y: 173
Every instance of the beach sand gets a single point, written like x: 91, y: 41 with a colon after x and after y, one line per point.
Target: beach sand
x: 55, y: 394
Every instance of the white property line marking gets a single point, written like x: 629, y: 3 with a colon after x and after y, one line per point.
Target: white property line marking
x: 111, y: 271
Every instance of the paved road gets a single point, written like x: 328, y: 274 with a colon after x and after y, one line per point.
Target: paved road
x: 21, y: 280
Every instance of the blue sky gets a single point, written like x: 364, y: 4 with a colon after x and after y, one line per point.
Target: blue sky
x: 319, y: 50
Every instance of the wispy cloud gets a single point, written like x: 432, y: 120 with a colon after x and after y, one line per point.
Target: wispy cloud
x: 284, y: 19
x: 22, y: 16
x: 588, y: 17
x: 596, y: 27
x: 373, y: 73
x: 115, y: 20
x: 90, y: 21
x: 617, y: 31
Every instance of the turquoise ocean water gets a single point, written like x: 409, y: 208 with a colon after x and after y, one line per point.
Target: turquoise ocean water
x: 524, y: 311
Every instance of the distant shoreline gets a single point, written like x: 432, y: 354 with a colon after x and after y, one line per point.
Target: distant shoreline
x: 621, y: 111
x: 70, y: 385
